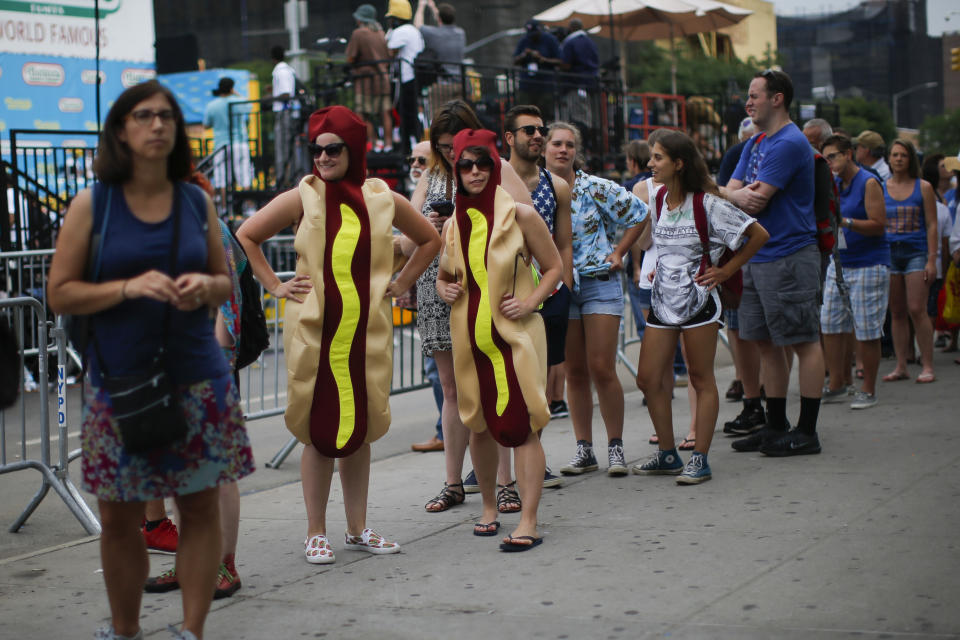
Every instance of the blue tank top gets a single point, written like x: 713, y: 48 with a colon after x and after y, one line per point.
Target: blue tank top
x: 545, y: 199
x: 130, y: 333
x: 905, y: 218
x: 861, y: 251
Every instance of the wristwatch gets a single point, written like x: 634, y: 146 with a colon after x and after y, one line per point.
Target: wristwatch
x: 848, y: 223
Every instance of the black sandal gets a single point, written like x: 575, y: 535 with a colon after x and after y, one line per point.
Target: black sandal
x: 508, y: 496
x: 448, y: 497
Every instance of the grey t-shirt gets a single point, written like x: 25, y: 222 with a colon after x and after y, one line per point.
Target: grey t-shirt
x: 676, y: 297
x: 448, y: 41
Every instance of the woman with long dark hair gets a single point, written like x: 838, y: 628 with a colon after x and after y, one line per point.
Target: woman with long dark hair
x: 685, y: 297
x: 912, y: 232
x: 160, y: 269
x: 338, y: 328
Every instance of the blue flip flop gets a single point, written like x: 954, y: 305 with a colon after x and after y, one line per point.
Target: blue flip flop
x: 513, y: 546
x: 489, y: 532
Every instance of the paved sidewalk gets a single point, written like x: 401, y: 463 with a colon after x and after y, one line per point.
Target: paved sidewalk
x: 860, y: 541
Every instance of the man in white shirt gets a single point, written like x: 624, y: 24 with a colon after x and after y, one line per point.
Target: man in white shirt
x: 405, y: 42
x: 870, y: 150
x: 284, y: 113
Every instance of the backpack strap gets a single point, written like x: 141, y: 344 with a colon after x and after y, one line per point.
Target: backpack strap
x: 661, y: 196
x: 700, y: 221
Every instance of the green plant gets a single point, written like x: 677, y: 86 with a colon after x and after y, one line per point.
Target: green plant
x: 941, y: 134
x: 857, y: 114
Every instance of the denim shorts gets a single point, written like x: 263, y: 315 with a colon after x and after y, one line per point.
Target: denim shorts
x: 906, y: 258
x: 597, y: 297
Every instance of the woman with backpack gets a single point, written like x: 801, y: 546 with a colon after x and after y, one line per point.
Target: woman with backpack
x: 685, y: 296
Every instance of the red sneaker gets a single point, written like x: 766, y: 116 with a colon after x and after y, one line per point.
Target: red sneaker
x: 163, y: 537
x: 228, y: 581
x: 166, y: 581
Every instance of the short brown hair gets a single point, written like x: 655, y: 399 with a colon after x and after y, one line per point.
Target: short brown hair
x: 510, y: 119
x: 841, y: 142
x: 454, y: 116
x: 113, y: 164
x: 446, y: 13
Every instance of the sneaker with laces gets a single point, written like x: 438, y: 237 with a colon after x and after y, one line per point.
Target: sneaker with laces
x: 470, y: 485
x: 162, y: 538
x: 791, y: 443
x: 181, y: 635
x: 863, y: 400
x: 558, y: 409
x: 662, y: 463
x: 582, y: 461
x: 697, y: 470
x: 735, y: 391
x: 617, y: 465
x: 107, y: 633
x: 829, y: 396
x: 747, y: 422
x: 228, y: 581
x: 371, y: 542
x: 754, y: 441
x: 166, y: 581
x: 550, y: 480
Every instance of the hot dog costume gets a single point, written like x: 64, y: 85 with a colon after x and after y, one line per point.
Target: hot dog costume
x: 500, y: 364
x: 339, y: 342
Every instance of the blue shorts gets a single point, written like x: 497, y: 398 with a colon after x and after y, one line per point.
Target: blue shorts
x: 597, y: 297
x: 731, y: 319
x: 869, y: 289
x: 905, y: 257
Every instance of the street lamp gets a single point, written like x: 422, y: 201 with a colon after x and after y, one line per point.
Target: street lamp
x: 900, y: 94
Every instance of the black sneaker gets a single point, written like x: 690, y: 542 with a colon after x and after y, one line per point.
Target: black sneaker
x: 792, y: 443
x: 749, y: 421
x: 558, y: 409
x: 755, y: 440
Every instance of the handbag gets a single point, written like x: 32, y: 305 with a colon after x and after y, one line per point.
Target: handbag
x: 951, y: 287
x: 145, y: 405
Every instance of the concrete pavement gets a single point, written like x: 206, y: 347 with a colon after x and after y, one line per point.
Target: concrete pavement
x: 859, y: 541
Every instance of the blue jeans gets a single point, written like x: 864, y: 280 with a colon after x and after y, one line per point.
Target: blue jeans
x: 431, y: 373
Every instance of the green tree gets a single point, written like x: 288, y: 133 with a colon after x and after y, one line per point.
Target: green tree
x: 649, y: 71
x: 857, y: 114
x: 941, y: 134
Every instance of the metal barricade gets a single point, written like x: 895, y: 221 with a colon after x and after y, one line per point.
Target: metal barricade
x: 32, y: 411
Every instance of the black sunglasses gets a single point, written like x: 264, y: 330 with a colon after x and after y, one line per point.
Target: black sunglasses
x: 484, y: 164
x: 332, y: 150
x: 416, y: 160
x: 530, y: 129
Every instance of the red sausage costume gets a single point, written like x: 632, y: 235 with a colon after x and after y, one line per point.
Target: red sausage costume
x: 339, y: 342
x: 500, y: 364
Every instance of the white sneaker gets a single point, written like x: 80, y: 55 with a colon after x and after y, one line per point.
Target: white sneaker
x: 863, y: 400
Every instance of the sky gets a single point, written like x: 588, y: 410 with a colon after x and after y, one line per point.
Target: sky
x: 942, y: 15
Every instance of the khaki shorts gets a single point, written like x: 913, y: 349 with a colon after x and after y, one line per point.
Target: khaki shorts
x: 372, y: 105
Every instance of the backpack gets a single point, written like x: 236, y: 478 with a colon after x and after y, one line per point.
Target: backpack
x: 731, y: 289
x: 254, y: 337
x: 826, y: 204
x: 426, y: 67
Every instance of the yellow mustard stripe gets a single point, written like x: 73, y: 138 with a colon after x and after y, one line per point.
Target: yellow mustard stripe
x: 341, y: 258
x: 483, y: 324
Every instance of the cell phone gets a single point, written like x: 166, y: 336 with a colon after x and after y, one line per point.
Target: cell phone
x: 442, y: 207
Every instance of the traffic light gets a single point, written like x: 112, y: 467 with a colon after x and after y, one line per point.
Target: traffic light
x: 955, y: 58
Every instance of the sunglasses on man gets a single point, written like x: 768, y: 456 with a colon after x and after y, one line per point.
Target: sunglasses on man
x: 530, y: 129
x: 416, y: 160
x: 332, y: 150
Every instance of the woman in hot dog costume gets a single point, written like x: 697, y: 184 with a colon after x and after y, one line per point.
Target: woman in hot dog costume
x: 499, y: 345
x: 338, y: 331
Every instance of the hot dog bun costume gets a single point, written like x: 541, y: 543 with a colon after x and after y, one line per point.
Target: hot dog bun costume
x: 339, y: 342
x: 500, y: 364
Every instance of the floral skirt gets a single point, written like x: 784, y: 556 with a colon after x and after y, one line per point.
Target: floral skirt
x: 215, y: 450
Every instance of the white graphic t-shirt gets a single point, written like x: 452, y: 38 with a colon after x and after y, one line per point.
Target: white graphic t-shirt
x: 676, y: 297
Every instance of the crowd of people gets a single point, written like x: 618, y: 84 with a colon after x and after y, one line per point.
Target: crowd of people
x: 519, y: 268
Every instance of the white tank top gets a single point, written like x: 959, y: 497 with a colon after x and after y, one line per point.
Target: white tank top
x: 650, y: 255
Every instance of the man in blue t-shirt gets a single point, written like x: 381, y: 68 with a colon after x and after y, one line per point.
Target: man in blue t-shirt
x: 774, y: 181
x: 539, y: 52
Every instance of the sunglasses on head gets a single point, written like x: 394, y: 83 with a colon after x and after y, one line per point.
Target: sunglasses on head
x: 483, y: 164
x: 530, y: 129
x: 416, y: 160
x: 332, y: 150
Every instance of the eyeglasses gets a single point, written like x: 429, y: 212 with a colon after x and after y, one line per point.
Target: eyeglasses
x: 445, y: 149
x: 332, y: 150
x: 830, y: 157
x: 483, y: 164
x: 144, y: 117
x: 530, y: 129
x: 416, y: 160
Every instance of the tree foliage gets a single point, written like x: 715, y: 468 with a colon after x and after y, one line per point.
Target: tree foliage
x: 857, y: 114
x: 941, y: 134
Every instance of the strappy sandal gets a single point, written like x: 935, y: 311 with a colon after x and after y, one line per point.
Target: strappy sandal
x: 448, y: 497
x: 508, y: 500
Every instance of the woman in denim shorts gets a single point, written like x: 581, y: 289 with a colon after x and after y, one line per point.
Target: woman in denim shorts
x: 912, y: 232
x: 598, y: 207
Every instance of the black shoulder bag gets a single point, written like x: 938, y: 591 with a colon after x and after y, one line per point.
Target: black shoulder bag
x: 145, y: 405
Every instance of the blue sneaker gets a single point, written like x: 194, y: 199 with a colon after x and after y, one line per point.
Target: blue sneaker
x: 470, y: 485
x: 663, y: 463
x: 696, y: 471
x: 550, y: 480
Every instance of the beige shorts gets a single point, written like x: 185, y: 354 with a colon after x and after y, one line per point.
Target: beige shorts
x: 372, y: 105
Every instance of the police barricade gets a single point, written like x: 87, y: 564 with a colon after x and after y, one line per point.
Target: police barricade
x: 31, y: 442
